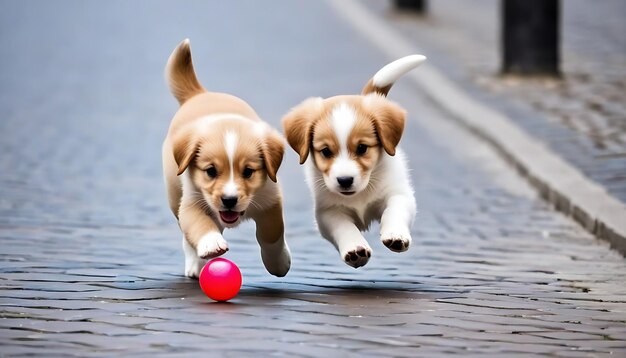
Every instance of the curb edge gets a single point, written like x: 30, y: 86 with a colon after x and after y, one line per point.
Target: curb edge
x: 558, y: 182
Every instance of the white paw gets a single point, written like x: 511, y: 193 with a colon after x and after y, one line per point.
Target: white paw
x: 357, y: 256
x: 193, y: 264
x: 211, y: 245
x: 276, y: 258
x: 396, y: 241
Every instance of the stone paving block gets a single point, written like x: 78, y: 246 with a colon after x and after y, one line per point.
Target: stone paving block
x: 22, y: 350
x: 67, y: 327
x: 385, y: 340
x: 574, y: 353
x: 122, y: 319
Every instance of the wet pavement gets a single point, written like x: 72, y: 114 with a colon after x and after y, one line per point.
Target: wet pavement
x: 90, y: 258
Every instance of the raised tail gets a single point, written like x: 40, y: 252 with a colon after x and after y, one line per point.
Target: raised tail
x: 385, y: 77
x: 180, y: 75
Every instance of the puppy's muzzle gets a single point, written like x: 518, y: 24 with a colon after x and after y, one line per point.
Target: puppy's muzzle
x: 229, y: 216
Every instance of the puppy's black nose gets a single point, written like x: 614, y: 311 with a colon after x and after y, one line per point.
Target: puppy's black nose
x: 345, y: 182
x: 229, y: 201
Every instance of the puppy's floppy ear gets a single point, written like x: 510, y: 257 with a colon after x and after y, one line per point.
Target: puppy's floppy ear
x: 388, y: 119
x: 273, y: 151
x: 184, y: 145
x: 298, y: 125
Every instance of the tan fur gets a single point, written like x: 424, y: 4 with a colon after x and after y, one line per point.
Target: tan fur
x: 324, y: 137
x: 180, y: 74
x: 195, y: 143
x: 273, y: 150
x: 371, y: 88
x: 388, y: 119
x: 380, y: 122
x: 298, y: 125
x: 194, y: 222
x: 270, y: 226
x: 364, y: 133
x: 184, y: 138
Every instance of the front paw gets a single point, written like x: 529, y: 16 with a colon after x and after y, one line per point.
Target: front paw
x: 211, y: 245
x: 277, y: 262
x: 358, y: 256
x: 396, y: 241
x: 193, y: 266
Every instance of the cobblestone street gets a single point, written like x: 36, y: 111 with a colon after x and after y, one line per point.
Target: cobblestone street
x: 90, y: 257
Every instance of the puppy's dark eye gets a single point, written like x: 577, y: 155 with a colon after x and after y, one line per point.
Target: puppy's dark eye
x: 247, y: 173
x: 211, y: 172
x: 361, y: 149
x: 326, y: 152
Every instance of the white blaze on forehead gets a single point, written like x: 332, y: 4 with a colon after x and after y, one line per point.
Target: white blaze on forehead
x: 212, y: 118
x: 230, y: 144
x: 343, y: 119
x: 259, y: 128
x: 230, y: 189
x: 231, y: 139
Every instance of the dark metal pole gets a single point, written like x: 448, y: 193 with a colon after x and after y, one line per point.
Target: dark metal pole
x: 530, y: 36
x: 413, y: 5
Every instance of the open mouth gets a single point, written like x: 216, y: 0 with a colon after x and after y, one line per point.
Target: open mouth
x: 229, y: 217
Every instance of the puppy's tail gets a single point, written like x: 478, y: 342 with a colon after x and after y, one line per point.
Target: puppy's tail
x: 385, y: 77
x: 180, y: 75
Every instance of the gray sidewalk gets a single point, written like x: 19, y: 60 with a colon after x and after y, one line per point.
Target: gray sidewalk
x: 90, y: 259
x: 581, y: 116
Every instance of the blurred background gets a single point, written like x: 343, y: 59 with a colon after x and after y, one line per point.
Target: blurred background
x: 557, y: 68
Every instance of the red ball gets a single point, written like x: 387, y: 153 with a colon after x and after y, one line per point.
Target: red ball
x: 220, y: 279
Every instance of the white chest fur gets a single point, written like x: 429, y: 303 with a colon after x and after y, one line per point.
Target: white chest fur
x: 389, y: 178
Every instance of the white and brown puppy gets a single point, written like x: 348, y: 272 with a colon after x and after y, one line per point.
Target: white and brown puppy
x: 217, y: 158
x: 354, y: 168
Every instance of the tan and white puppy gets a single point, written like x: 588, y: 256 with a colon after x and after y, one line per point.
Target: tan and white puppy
x: 354, y: 168
x: 220, y: 162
